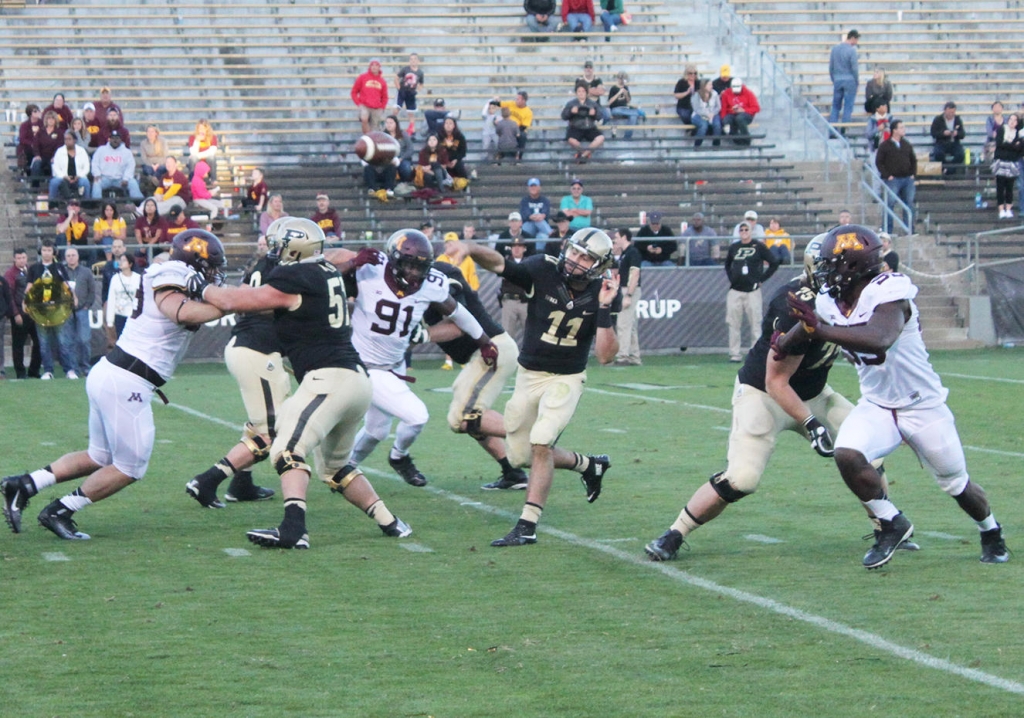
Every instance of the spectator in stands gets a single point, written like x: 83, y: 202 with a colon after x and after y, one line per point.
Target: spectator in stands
x: 722, y: 83
x: 63, y: 112
x: 450, y: 256
x: 508, y: 133
x: 327, y: 218
x: 23, y: 328
x: 845, y: 75
x: 577, y: 206
x: 109, y: 268
x: 878, y: 127
x: 427, y: 227
x: 684, y: 92
x: 877, y: 92
x: 81, y: 133
x: 77, y: 332
x: 739, y: 107
x: 701, y: 249
x: 179, y: 221
x: 490, y: 115
x: 150, y: 227
x: 430, y: 165
x: 409, y: 81
x: 174, y: 189
x: 454, y: 143
x: 47, y: 141
x: 656, y: 252
x: 70, y: 170
x: 92, y: 126
x: 778, y: 241
x: 562, y: 232
x: 613, y: 14
x: 202, y: 146
x: 120, y: 302
x: 620, y: 103
x: 897, y: 164
x: 746, y: 270
x: 577, y: 15
x: 756, y: 228
x: 541, y: 15
x: 1005, y: 165
x: 73, y: 228
x: 435, y: 118
x: 152, y: 153
x: 535, y: 208
x: 845, y: 217
x: 523, y: 116
x: 582, y: 114
x: 275, y: 210
x: 512, y: 234
x: 405, y: 148
x: 51, y: 338
x: 113, y: 167
x: 469, y: 232
x: 104, y: 105
x: 27, y: 132
x: 203, y: 197
x: 892, y: 259
x: 992, y: 124
x: 6, y: 312
x: 707, y: 114
x: 110, y: 225
x: 595, y: 89
x: 947, y: 131
x: 370, y: 94
x: 112, y: 125
x: 256, y: 193
x: 628, y: 263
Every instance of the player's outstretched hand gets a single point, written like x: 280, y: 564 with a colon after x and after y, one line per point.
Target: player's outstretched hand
x: 195, y: 286
x: 803, y: 311
x: 609, y: 288
x: 821, y: 440
x: 366, y: 255
x: 489, y: 353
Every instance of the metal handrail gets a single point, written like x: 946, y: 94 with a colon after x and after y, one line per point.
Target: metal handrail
x: 974, y: 253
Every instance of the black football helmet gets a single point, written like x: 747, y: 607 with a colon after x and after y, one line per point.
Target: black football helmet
x: 591, y: 242
x: 409, y: 258
x: 849, y: 253
x: 202, y: 251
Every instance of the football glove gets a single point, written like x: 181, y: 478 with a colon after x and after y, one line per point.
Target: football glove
x: 195, y: 286
x: 821, y: 440
x: 366, y: 255
x: 419, y: 334
x: 489, y: 353
x: 803, y: 311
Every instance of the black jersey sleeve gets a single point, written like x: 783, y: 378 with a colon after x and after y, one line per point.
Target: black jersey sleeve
x: 523, y: 273
x: 288, y: 279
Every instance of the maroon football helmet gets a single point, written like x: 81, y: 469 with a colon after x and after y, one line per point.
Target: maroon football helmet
x: 848, y: 254
x: 202, y: 251
x: 409, y: 258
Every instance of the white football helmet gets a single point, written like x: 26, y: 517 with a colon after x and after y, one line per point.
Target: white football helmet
x: 300, y: 239
x: 591, y: 242
x: 273, y: 237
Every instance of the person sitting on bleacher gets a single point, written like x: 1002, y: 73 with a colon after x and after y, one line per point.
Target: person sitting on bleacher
x: 63, y: 112
x: 73, y: 227
x: 178, y: 222
x: 113, y: 167
x: 430, y: 167
x: 70, y: 170
x: 256, y: 193
x: 541, y: 15
x: 582, y: 114
x: 684, y: 92
x: 613, y: 14
x: 92, y: 126
x: 44, y: 146
x: 81, y: 133
x: 878, y: 127
x: 150, y: 227
x: 522, y: 115
x: 707, y: 113
x: 203, y: 197
x: 152, y: 153
x: 27, y: 132
x: 620, y: 101
x: 110, y: 225
x: 454, y: 143
x: 739, y: 107
x: 105, y: 105
x: 174, y: 189
x: 327, y: 218
x: 405, y: 148
x: 577, y: 15
x: 202, y: 145
x: 595, y: 89
x: 112, y: 125
x: 721, y: 83
x: 275, y: 211
x: 947, y: 131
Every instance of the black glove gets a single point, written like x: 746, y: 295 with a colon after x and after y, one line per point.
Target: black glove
x: 195, y: 287
x: 821, y: 440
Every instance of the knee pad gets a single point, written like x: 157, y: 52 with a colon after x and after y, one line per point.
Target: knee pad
x: 255, y: 443
x: 286, y: 461
x: 472, y: 419
x: 343, y: 477
x: 724, y: 489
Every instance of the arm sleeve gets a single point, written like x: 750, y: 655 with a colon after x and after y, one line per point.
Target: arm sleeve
x: 518, y: 274
x: 466, y: 322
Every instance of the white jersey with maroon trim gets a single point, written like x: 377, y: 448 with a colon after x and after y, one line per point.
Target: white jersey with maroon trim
x: 902, y: 376
x: 149, y: 335
x: 382, y: 321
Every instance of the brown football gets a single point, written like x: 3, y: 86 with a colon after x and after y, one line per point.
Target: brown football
x: 376, y: 148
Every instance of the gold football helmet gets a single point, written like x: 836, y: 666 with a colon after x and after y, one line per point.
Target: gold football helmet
x: 300, y: 239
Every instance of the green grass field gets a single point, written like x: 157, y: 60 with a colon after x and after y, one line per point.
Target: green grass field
x: 769, y: 614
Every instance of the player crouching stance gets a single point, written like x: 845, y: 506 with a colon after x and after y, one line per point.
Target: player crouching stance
x: 307, y: 294
x: 871, y: 314
x: 121, y: 387
x: 570, y: 303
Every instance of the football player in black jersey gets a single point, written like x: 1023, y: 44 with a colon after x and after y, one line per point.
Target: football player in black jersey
x: 570, y: 307
x: 253, y: 356
x: 478, y: 384
x: 307, y: 295
x: 773, y: 393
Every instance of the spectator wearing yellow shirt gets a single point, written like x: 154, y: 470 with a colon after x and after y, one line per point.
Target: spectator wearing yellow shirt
x: 466, y: 266
x: 110, y: 225
x: 72, y: 226
x: 521, y: 115
x: 778, y: 241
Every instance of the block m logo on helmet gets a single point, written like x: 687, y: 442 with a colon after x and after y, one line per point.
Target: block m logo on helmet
x: 199, y: 246
x: 846, y: 241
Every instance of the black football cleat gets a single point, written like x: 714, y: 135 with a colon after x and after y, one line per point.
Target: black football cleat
x: 993, y: 548
x: 16, y: 491
x: 408, y: 471
x: 514, y: 480
x: 273, y: 538
x: 206, y: 498
x: 520, y: 535
x: 591, y: 478
x: 889, y: 538
x: 665, y: 547
x: 397, y: 529
x: 57, y: 518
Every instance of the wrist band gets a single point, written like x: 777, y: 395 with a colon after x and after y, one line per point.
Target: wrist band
x: 604, y: 317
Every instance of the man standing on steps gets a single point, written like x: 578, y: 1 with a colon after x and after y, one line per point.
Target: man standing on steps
x: 842, y: 69
x: 897, y: 165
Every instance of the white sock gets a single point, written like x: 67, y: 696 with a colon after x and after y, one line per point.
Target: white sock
x: 43, y: 478
x: 988, y: 523
x: 881, y: 508
x: 76, y: 501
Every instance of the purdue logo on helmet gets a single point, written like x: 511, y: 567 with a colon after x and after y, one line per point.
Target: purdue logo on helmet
x: 273, y: 237
x: 849, y: 253
x: 299, y: 239
x: 200, y: 250
x: 409, y: 258
x: 812, y: 253
x: 587, y: 242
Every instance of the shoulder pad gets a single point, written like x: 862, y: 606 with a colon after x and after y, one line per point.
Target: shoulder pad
x: 169, y: 275
x: 889, y: 287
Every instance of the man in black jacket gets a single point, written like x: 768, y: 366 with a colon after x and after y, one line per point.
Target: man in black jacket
x: 745, y: 267
x: 541, y: 15
x: 897, y: 165
x: 947, y: 131
x: 6, y: 312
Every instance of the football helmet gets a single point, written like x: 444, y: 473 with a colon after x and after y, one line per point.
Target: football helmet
x: 202, y: 251
x: 409, y: 258
x: 299, y: 239
x: 849, y: 253
x: 590, y: 242
x: 273, y: 237
x: 812, y: 252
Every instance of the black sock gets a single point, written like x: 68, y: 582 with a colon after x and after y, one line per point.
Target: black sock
x: 213, y: 476
x: 294, y: 513
x: 506, y: 467
x: 241, y: 481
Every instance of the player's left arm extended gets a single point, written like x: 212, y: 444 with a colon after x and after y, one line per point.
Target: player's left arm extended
x: 606, y: 344
x: 461, y: 318
x: 249, y: 299
x: 874, y: 337
x: 340, y: 258
x: 180, y: 309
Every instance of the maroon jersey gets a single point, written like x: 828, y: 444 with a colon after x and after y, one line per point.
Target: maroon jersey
x: 328, y: 221
x: 154, y: 232
x: 27, y: 132
x: 46, y: 144
x: 258, y: 193
x: 174, y: 228
x: 64, y: 116
x: 106, y: 129
x: 175, y: 185
x: 102, y: 110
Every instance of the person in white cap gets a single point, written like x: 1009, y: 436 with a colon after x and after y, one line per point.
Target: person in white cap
x: 756, y: 229
x: 739, y: 107
x: 514, y: 233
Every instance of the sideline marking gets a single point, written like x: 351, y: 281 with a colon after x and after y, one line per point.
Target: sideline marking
x: 983, y: 378
x: 658, y: 387
x: 416, y: 548
x: 870, y: 639
x: 760, y: 538
x: 55, y: 556
x: 940, y: 535
x: 236, y: 552
x: 621, y: 540
x: 1015, y: 454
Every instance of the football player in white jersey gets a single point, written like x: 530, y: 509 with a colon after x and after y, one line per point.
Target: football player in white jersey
x: 392, y: 296
x: 121, y: 387
x: 871, y: 315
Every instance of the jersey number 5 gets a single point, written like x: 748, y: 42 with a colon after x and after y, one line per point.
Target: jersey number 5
x: 551, y: 335
x: 339, y: 308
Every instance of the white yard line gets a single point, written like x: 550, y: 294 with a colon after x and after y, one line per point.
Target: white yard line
x: 1015, y: 454
x: 982, y: 378
x: 684, y: 577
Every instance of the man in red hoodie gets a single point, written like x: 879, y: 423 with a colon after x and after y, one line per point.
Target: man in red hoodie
x: 739, y: 105
x: 370, y: 93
